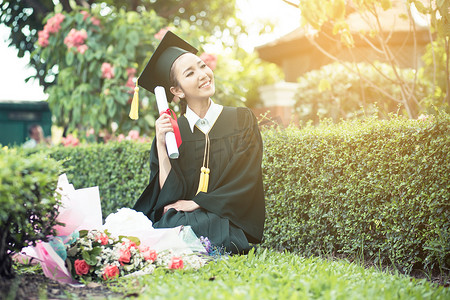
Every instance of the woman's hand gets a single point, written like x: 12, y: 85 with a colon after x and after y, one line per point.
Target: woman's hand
x: 162, y: 126
x: 182, y: 205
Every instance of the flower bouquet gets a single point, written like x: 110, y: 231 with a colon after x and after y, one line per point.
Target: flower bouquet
x: 127, y: 244
x: 97, y: 255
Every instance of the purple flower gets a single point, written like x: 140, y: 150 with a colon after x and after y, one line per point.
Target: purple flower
x: 206, y: 243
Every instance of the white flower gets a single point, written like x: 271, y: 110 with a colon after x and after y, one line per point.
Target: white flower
x: 127, y: 222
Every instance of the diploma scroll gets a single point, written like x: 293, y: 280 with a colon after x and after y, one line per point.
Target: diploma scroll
x: 161, y: 101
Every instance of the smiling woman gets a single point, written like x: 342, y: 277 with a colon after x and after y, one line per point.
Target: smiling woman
x: 215, y: 185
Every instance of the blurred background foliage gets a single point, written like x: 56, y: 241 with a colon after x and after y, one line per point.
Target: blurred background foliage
x: 86, y: 94
x: 333, y: 92
x: 331, y: 18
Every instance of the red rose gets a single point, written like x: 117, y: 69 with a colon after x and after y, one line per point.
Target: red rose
x: 130, y: 244
x: 176, y: 263
x: 148, y: 253
x: 125, y: 256
x: 103, y: 239
x: 81, y: 267
x: 110, y: 272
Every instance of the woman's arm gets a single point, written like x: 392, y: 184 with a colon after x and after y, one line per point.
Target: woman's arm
x: 163, y: 126
x: 182, y: 205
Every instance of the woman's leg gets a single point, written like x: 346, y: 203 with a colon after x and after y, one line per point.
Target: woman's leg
x: 218, y: 230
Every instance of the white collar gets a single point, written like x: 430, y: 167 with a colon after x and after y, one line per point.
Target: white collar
x: 211, y: 116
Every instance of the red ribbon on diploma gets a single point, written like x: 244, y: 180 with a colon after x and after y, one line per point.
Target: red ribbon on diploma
x: 173, y: 121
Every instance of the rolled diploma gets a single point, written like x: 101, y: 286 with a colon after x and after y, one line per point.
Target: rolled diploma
x: 161, y: 101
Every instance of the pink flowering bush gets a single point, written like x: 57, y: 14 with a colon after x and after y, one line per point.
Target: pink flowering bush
x: 87, y: 16
x: 162, y: 32
x: 209, y: 59
x: 52, y: 26
x: 133, y: 135
x: 43, y: 38
x: 70, y: 141
x: 131, y: 73
x: 54, y: 23
x: 107, y: 70
x: 76, y: 39
x: 94, y: 60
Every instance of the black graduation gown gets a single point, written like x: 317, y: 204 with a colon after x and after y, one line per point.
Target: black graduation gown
x: 232, y: 211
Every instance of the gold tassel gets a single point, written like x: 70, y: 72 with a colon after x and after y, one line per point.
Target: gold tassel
x: 134, y: 111
x: 204, y: 171
x: 204, y: 180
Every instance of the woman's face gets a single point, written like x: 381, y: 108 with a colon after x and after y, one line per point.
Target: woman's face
x: 194, y: 77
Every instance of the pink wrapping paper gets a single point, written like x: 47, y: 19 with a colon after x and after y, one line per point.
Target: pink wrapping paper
x: 80, y: 209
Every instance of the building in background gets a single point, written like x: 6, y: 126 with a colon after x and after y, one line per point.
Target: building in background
x: 296, y: 55
x: 17, y: 116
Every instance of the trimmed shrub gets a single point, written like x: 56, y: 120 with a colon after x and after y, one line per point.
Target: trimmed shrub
x: 377, y: 188
x: 373, y: 188
x: 120, y: 170
x: 28, y: 213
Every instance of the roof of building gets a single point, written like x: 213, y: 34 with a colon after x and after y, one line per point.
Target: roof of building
x: 395, y: 22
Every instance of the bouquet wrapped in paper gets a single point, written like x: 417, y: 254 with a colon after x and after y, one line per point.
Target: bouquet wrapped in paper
x: 126, y: 244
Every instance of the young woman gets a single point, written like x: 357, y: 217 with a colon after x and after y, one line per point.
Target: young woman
x: 215, y: 185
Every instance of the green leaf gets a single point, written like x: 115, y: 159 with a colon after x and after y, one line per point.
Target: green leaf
x: 150, y: 119
x: 131, y: 238
x: 58, y: 8
x: 112, y: 110
x: 102, y: 119
x: 69, y: 57
x: 87, y: 258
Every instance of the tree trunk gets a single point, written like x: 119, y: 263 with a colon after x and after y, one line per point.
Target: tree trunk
x: 6, y: 270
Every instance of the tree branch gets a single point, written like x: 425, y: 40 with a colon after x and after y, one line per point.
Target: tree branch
x: 66, y: 5
x: 290, y: 3
x: 37, y: 6
x: 394, y: 64
x: 329, y: 55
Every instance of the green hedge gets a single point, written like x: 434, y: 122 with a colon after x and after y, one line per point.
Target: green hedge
x: 120, y: 170
x: 28, y: 214
x: 374, y: 188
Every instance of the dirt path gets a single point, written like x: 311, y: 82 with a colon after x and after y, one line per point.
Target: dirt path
x: 37, y: 286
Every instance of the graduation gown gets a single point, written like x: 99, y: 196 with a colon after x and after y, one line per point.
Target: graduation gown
x: 232, y: 210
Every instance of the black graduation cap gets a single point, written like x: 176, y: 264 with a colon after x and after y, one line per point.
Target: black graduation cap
x: 157, y: 71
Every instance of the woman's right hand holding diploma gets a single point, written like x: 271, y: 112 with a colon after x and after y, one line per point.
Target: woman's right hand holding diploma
x: 162, y: 126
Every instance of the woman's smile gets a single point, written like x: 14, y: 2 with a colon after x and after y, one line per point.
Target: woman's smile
x: 206, y: 84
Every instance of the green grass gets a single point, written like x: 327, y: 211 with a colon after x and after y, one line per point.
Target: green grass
x: 271, y: 275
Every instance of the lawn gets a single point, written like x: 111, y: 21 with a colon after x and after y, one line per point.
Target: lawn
x: 272, y: 275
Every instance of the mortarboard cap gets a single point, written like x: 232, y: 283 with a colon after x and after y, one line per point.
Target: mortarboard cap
x: 157, y: 71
